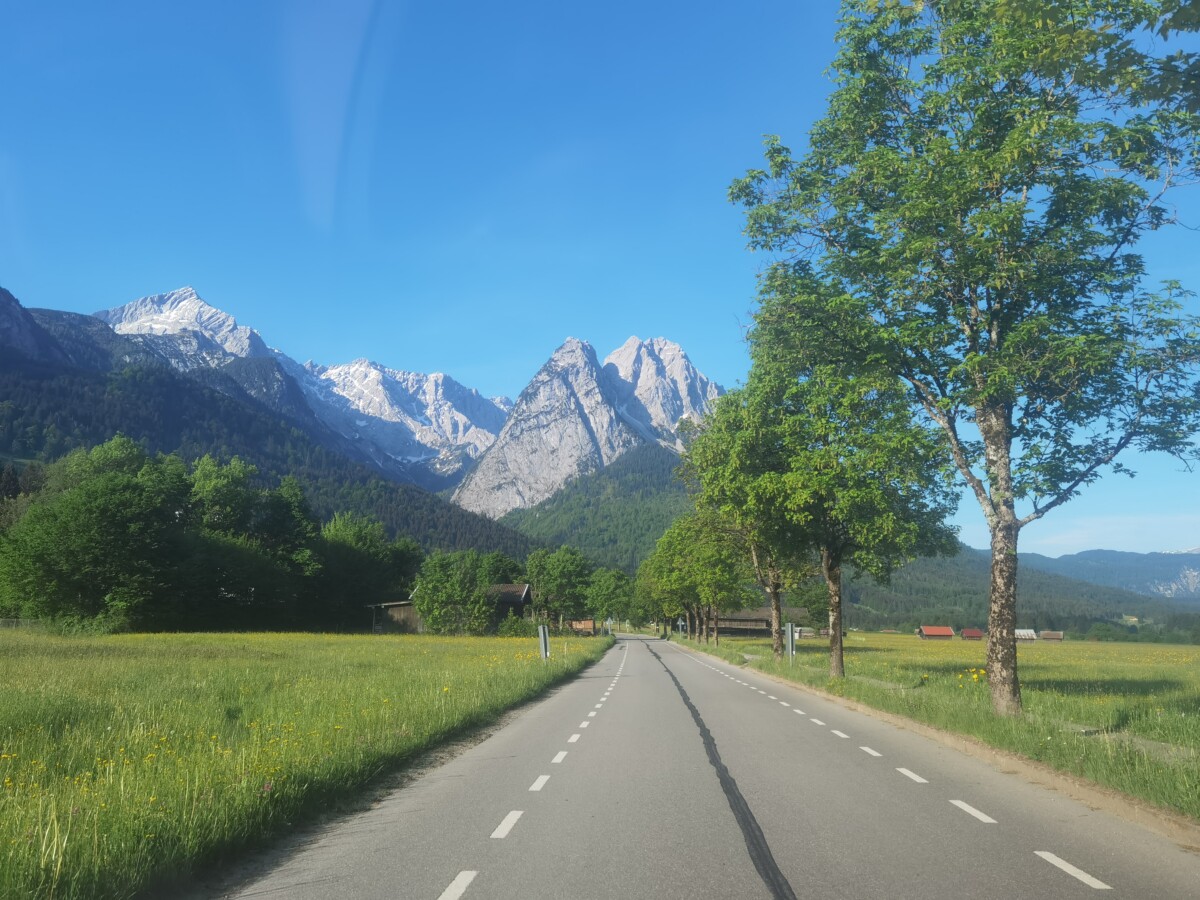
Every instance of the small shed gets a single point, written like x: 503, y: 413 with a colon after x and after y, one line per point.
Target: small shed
x: 757, y: 621
x: 971, y: 634
x: 510, y: 598
x: 1026, y: 634
x: 1051, y: 636
x: 398, y: 616
x: 935, y: 632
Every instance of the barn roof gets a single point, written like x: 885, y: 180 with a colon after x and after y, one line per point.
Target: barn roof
x: 937, y: 631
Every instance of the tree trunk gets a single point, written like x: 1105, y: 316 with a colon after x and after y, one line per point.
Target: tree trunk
x: 831, y: 568
x: 1002, y: 622
x: 774, y: 591
x: 995, y: 427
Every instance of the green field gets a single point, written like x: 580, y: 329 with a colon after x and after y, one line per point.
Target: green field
x: 127, y: 761
x: 1123, y: 715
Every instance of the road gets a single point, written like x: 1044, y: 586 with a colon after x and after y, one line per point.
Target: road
x: 662, y: 773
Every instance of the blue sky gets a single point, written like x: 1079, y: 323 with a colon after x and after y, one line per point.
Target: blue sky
x: 442, y: 186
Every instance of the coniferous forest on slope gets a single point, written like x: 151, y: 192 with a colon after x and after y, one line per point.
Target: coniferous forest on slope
x: 47, y: 411
x: 615, y: 515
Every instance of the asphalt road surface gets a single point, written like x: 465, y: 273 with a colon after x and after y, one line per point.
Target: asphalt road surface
x: 660, y: 773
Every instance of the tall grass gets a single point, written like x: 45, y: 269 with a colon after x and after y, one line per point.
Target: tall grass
x: 126, y: 761
x: 1126, y: 716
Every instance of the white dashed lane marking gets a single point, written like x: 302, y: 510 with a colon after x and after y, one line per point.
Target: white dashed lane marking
x: 539, y: 783
x: 913, y: 775
x: 458, y: 885
x: 559, y: 757
x: 506, y: 826
x: 1072, y: 871
x: 572, y: 739
x: 870, y: 752
x: 967, y: 808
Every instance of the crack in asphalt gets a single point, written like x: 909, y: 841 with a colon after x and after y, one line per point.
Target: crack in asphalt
x: 756, y: 842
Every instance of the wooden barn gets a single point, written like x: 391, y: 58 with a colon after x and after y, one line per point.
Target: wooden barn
x: 1056, y: 636
x: 935, y: 633
x: 1026, y: 634
x: 971, y: 634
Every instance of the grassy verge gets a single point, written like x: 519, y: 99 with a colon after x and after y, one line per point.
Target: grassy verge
x: 1126, y: 716
x: 126, y: 761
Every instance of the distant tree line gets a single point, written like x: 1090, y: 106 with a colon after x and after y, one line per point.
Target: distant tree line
x: 116, y: 539
x: 47, y: 411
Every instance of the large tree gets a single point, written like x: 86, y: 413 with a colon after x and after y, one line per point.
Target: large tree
x: 971, y: 202
x: 734, y: 465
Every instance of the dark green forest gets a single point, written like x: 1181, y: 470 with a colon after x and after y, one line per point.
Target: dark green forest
x: 48, y: 410
x: 615, y: 515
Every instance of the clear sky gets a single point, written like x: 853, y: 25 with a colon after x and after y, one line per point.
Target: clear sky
x: 442, y: 186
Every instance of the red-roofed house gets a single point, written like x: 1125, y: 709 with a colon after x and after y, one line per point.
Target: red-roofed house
x: 935, y: 632
x: 971, y: 634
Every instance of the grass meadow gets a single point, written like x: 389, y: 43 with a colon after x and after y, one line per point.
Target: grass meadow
x: 1122, y: 715
x: 127, y: 762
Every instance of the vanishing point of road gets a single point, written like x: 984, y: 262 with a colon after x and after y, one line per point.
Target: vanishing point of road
x: 666, y: 774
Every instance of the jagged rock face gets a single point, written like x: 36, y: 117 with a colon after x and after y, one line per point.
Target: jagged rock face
x: 410, y: 416
x: 20, y: 334
x: 656, y: 387
x: 182, y: 312
x: 576, y: 417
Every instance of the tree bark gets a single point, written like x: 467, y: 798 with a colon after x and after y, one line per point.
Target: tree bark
x: 831, y: 568
x: 995, y: 427
x: 1002, y: 623
x: 774, y: 591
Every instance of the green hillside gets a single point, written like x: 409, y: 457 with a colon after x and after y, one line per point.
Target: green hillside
x: 954, y: 592
x: 48, y: 410
x: 615, y: 515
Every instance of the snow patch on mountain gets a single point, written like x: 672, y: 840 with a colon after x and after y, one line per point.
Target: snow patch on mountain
x: 182, y: 312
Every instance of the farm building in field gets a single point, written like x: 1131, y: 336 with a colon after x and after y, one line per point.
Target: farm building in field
x: 1026, y: 634
x: 971, y: 634
x: 1051, y: 636
x: 397, y: 617
x: 935, y: 632
x: 757, y: 621
x: 401, y: 617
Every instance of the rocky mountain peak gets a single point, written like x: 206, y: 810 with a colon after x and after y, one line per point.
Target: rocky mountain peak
x: 657, y: 387
x: 20, y: 334
x: 180, y: 311
x: 577, y: 416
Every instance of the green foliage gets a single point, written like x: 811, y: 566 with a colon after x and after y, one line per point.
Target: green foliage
x: 117, y: 539
x: 613, y: 516
x: 699, y: 566
x: 967, y: 212
x: 559, y: 581
x: 451, y: 594
x: 47, y: 411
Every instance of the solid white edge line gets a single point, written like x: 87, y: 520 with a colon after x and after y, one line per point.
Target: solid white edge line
x: 540, y: 783
x: 870, y: 752
x: 506, y: 826
x: 1072, y: 871
x: 559, y: 756
x: 572, y: 739
x: 970, y: 810
x: 458, y: 885
x: 913, y: 775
